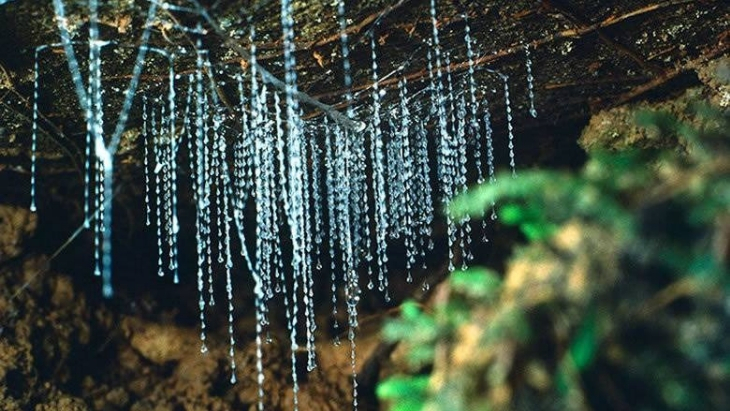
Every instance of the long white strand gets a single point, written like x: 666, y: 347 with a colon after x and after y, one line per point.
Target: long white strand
x: 376, y: 155
x: 218, y: 141
x: 273, y: 244
x: 474, y: 131
x: 294, y: 186
x: 451, y: 165
x: 464, y: 227
x: 159, y: 169
x: 358, y: 202
x: 260, y: 291
x: 72, y: 61
x: 331, y: 215
x: 264, y: 197
x: 88, y: 167
x: 283, y: 183
x: 99, y: 223
x: 437, y: 96
x: 510, y: 126
x: 106, y: 153
x: 166, y: 150
x: 260, y: 184
x: 188, y: 136
x: 173, y: 224
x: 250, y: 132
x: 473, y: 104
x: 145, y: 148
x: 439, y: 102
x: 530, y: 81
x: 393, y: 178
x: 407, y: 173
x: 94, y: 113
x: 34, y: 137
x: 316, y: 183
x: 224, y: 181
x: 208, y: 178
x: 239, y: 149
x: 345, y: 229
x: 215, y: 169
x: 488, y: 133
x: 200, y: 195
x: 310, y: 227
x: 425, y: 188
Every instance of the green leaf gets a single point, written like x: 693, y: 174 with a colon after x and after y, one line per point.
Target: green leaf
x: 454, y: 312
x: 412, y: 326
x: 508, y: 324
x: 529, y: 184
x: 420, y: 355
x: 512, y: 214
x: 585, y: 343
x: 408, y: 404
x: 562, y: 383
x: 536, y: 231
x: 580, y: 354
x: 476, y: 282
x: 402, y: 387
x: 410, y: 310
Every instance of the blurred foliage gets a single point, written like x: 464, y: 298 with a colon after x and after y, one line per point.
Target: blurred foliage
x: 618, y: 301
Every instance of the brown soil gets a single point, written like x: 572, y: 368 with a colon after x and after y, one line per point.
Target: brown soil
x: 61, y: 351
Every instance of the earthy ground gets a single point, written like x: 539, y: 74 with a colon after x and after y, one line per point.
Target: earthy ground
x: 60, y: 351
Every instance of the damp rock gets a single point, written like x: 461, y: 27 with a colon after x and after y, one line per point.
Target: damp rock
x: 45, y: 324
x: 616, y: 128
x: 716, y: 77
x: 64, y: 403
x: 17, y: 224
x: 157, y: 343
x: 579, y: 261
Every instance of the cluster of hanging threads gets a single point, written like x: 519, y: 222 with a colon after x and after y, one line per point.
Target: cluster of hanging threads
x: 306, y: 180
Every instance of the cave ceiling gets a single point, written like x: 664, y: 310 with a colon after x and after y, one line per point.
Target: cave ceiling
x: 587, y: 55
